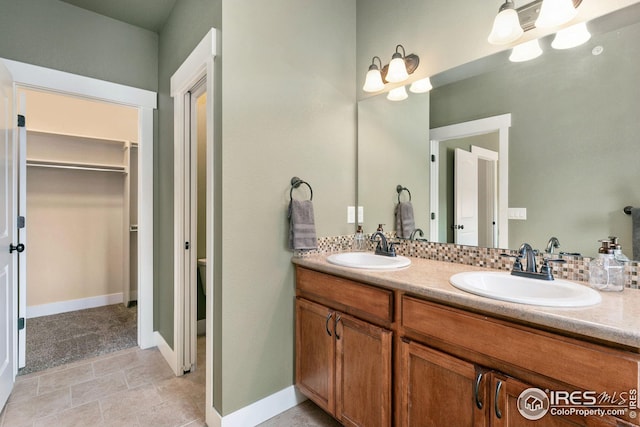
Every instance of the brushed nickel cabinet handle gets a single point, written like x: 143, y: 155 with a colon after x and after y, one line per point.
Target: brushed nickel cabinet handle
x: 477, y: 389
x: 495, y: 405
x: 335, y: 326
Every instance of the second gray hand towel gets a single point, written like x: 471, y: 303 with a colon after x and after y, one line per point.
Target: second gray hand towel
x: 405, y: 222
x: 302, y: 229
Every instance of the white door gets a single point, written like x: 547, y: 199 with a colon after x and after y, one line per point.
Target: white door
x: 466, y: 198
x: 8, y: 233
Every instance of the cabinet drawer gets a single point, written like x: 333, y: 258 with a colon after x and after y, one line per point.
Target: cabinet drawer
x: 583, y: 365
x: 345, y: 295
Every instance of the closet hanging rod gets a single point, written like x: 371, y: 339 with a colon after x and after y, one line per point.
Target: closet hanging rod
x: 79, y: 168
x: 75, y: 135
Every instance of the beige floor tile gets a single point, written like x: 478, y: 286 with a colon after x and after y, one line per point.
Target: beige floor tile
x: 98, y: 388
x: 130, y: 402
x: 80, y: 416
x: 24, y: 389
x: 25, y: 411
x: 305, y: 414
x: 170, y: 414
x: 148, y: 373
x: 108, y: 365
x: 65, y: 378
x: 196, y: 423
x: 130, y: 420
x: 178, y: 387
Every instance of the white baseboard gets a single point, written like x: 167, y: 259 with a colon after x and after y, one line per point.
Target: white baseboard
x: 73, y: 305
x: 259, y: 411
x: 167, y: 352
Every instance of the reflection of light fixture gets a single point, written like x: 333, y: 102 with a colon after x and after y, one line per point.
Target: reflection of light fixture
x: 526, y: 51
x: 421, y: 86
x: 397, y: 94
x: 373, y: 82
x: 506, y: 26
x: 571, y: 37
x: 555, y: 12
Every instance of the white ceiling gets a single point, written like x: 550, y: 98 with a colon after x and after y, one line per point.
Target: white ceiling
x: 148, y: 14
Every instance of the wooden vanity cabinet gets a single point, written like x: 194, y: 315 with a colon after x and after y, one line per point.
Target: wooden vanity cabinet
x: 473, y: 361
x: 344, y: 363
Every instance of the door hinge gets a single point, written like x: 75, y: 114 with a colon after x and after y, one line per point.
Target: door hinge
x: 433, y: 215
x: 21, y: 222
x: 433, y: 158
x: 21, y: 121
x: 187, y: 245
x: 20, y: 323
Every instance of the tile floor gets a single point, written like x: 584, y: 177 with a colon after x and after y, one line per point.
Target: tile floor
x: 133, y: 388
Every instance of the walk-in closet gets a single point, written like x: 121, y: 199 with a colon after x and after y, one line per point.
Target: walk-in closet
x: 81, y: 227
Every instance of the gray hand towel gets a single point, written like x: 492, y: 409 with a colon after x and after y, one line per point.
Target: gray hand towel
x: 302, y: 229
x: 405, y: 222
x: 635, y: 232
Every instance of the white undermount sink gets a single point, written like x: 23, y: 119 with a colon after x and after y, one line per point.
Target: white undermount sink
x: 368, y: 261
x: 523, y: 290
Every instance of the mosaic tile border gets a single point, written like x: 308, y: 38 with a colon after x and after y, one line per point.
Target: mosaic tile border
x: 576, y: 268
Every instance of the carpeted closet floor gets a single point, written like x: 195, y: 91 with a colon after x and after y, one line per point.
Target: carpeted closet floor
x: 62, y: 338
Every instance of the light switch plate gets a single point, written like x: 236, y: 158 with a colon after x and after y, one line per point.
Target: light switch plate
x: 360, y: 215
x: 517, y: 213
x: 351, y: 214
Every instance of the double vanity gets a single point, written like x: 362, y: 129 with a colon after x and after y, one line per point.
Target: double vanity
x: 401, y: 346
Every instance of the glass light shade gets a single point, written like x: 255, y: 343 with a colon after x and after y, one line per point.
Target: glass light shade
x: 526, y: 51
x: 397, y: 70
x: 571, y: 37
x: 506, y: 27
x: 555, y: 12
x: 398, y: 94
x: 421, y: 86
x: 373, y: 81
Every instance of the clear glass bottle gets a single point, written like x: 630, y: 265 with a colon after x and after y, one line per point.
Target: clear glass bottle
x: 359, y: 242
x: 606, y: 273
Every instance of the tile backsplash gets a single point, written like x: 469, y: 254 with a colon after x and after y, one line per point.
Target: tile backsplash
x: 575, y: 268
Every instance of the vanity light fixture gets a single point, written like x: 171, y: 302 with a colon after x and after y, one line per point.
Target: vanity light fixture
x: 373, y: 81
x: 506, y: 25
x: 421, y: 86
x: 554, y: 13
x: 526, y: 51
x: 571, y: 37
x: 397, y: 94
x: 401, y: 66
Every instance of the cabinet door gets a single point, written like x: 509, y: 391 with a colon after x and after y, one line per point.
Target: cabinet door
x: 363, y: 373
x: 505, y: 392
x: 315, y: 353
x: 440, y: 390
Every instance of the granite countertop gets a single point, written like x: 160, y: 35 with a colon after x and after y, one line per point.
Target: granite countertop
x: 616, y: 319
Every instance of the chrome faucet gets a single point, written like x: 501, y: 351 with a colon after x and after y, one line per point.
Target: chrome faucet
x: 551, y: 244
x: 383, y: 247
x: 529, y: 254
x: 412, y: 236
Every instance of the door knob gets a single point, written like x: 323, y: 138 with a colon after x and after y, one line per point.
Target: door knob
x: 17, y: 248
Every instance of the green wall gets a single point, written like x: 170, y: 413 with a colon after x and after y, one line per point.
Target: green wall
x: 286, y: 89
x: 56, y: 35
x: 574, y: 125
x: 288, y: 110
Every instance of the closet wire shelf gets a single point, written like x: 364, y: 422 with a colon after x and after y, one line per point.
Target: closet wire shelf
x: 96, y: 167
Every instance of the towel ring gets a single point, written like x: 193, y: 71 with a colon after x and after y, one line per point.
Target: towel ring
x: 295, y: 183
x: 627, y: 210
x: 400, y: 189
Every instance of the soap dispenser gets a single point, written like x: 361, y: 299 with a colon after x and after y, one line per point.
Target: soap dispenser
x: 606, y: 273
x: 359, y: 243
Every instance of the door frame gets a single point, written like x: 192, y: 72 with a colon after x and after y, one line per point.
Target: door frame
x: 145, y: 101
x: 500, y: 124
x: 199, y: 65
